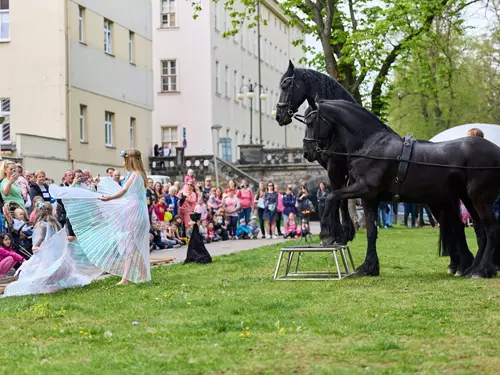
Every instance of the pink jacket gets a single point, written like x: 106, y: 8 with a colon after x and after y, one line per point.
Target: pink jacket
x: 246, y: 198
x: 280, y: 207
x: 4, y: 253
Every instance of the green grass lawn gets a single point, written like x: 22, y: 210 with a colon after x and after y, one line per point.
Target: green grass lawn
x: 230, y: 317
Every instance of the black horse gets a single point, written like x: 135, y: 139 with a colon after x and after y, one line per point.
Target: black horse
x: 298, y: 85
x: 437, y: 173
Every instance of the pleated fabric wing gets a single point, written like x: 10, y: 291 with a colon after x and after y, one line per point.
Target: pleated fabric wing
x: 113, y: 235
x: 57, y: 265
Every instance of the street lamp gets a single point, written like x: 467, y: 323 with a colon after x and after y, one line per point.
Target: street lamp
x: 217, y: 128
x: 250, y: 95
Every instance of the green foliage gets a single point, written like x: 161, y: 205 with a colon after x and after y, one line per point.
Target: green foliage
x: 448, y: 79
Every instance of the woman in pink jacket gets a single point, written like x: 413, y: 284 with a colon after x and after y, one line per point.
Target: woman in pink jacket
x: 8, y: 257
x: 245, y: 195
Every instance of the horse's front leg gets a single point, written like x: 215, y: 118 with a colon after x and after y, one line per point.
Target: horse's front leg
x: 370, y: 266
x: 331, y: 229
x: 348, y: 229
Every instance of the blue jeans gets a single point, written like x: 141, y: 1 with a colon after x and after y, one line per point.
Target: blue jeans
x: 231, y: 228
x: 410, y: 208
x: 245, y: 214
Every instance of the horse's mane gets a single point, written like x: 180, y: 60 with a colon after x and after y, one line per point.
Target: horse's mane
x: 356, y: 117
x: 328, y: 88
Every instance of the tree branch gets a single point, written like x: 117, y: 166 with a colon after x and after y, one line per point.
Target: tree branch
x: 389, y: 60
x: 353, y: 16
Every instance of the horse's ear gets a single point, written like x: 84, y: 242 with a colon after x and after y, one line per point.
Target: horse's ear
x: 291, y: 67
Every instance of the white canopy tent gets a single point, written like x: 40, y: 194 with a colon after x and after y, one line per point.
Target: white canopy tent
x: 491, y: 133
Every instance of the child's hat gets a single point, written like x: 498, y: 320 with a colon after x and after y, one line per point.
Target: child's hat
x: 253, y: 217
x: 242, y: 220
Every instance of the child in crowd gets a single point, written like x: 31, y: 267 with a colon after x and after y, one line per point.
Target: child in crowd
x: 243, y: 231
x: 189, y: 178
x: 292, y: 230
x: 212, y: 235
x: 155, y: 231
x: 254, y: 227
x: 8, y: 257
x: 164, y: 236
x: 189, y: 230
x: 176, y: 232
x: 171, y: 235
x: 203, y: 230
x: 20, y: 222
x: 219, y: 224
x: 36, y: 207
x: 169, y: 215
x: 201, y: 208
x: 160, y: 209
x: 466, y: 218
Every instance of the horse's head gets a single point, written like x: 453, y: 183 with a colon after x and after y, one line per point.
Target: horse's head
x: 293, y: 94
x: 319, y: 134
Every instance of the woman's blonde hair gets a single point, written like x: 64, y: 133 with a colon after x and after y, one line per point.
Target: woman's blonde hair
x: 38, y: 172
x: 133, y: 163
x: 46, y: 213
x: 3, y: 166
x: 173, y: 189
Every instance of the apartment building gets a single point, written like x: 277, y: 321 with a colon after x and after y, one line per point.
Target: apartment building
x: 76, y: 82
x: 198, y: 76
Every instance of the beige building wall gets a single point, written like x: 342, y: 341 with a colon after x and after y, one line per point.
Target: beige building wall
x: 32, y: 68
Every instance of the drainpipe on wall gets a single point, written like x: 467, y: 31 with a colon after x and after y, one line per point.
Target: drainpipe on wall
x: 67, y: 36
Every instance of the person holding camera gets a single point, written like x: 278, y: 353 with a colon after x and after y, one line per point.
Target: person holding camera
x: 9, y: 188
x: 245, y: 195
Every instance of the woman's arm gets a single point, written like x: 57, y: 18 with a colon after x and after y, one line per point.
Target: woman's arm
x: 8, y: 185
x: 122, y: 192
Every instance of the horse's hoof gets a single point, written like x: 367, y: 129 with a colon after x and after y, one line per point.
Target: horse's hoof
x: 459, y: 274
x: 476, y: 277
x: 483, y: 273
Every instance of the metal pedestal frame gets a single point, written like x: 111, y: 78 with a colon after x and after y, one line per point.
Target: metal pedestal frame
x: 343, y: 250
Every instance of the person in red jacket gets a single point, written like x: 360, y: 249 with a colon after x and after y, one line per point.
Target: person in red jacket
x: 160, y: 209
x: 8, y: 257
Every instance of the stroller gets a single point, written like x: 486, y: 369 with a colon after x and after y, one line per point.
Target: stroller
x: 22, y: 244
x: 305, y: 228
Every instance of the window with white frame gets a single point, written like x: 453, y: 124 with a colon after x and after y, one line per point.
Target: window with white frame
x: 81, y: 24
x: 169, y: 76
x: 108, y: 129
x: 217, y: 77
x: 5, y: 126
x: 168, y: 16
x: 4, y: 20
x: 169, y: 134
x: 83, y: 123
x: 227, y: 149
x: 131, y: 38
x: 132, y: 132
x: 226, y: 81
x: 108, y: 37
x: 235, y: 84
x: 216, y: 18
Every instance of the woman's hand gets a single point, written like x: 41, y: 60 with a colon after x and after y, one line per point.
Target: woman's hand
x: 34, y: 249
x: 12, y: 179
x: 105, y: 198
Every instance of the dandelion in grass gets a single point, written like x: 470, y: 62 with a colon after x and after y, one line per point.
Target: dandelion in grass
x: 282, y: 330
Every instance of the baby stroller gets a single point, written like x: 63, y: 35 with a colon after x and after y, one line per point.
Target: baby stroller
x: 22, y: 244
x: 305, y: 229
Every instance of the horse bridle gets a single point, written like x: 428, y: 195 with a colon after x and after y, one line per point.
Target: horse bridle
x: 315, y: 141
x: 289, y: 95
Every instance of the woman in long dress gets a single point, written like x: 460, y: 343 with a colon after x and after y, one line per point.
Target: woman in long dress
x: 112, y: 225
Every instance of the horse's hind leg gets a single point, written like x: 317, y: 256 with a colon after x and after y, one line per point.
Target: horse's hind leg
x: 370, y: 266
x: 348, y: 230
x: 486, y: 268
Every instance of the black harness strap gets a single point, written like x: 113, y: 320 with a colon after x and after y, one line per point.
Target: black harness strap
x: 404, y: 162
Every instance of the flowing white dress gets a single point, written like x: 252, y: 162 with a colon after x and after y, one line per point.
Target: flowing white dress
x: 58, y: 264
x: 113, y: 235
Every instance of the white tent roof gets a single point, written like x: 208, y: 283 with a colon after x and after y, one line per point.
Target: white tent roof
x: 491, y: 133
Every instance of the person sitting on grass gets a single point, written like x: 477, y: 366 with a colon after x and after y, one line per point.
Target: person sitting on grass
x: 8, y: 257
x: 243, y: 231
x: 254, y: 227
x: 292, y: 230
x: 212, y: 235
x: 220, y: 224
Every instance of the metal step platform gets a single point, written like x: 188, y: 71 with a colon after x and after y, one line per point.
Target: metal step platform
x: 289, y: 253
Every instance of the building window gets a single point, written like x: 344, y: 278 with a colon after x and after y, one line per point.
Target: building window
x: 235, y: 84
x: 169, y: 76
x: 5, y: 126
x: 108, y: 129
x: 4, y: 20
x: 226, y: 81
x: 168, y: 13
x: 131, y: 37
x: 83, y: 123
x: 81, y: 24
x: 217, y: 77
x: 216, y: 19
x: 227, y: 150
x: 132, y: 132
x: 169, y: 135
x: 108, y: 26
